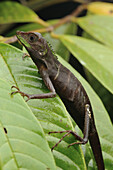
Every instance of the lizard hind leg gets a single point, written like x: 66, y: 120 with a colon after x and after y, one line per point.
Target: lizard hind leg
x: 81, y: 140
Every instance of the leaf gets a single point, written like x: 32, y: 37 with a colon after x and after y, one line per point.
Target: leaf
x: 50, y: 112
x: 101, y: 8
x: 100, y: 27
x: 13, y: 12
x: 95, y: 57
x: 25, y: 27
x: 103, y: 93
x: 22, y: 141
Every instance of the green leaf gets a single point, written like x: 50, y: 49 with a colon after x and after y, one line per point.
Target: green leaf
x: 12, y: 12
x: 103, y: 93
x: 22, y: 141
x: 50, y: 112
x: 95, y: 57
x: 100, y: 27
x: 25, y: 27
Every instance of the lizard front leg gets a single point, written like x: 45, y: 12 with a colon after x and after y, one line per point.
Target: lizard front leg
x: 25, y: 55
x: 34, y: 96
x: 48, y: 83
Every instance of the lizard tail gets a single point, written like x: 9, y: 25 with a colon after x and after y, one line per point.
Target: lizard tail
x: 96, y: 148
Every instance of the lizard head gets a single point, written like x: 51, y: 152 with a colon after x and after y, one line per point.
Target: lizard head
x: 33, y: 42
x: 37, y: 47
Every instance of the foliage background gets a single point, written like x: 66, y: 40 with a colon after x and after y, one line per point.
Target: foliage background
x: 88, y: 48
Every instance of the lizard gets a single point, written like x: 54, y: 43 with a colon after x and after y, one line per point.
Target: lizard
x: 60, y: 80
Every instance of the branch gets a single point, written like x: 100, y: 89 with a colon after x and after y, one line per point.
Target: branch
x: 62, y: 21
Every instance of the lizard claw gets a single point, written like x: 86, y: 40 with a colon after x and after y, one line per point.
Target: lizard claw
x: 14, y: 92
x: 22, y: 93
x: 25, y: 55
x: 28, y: 98
x: 14, y: 87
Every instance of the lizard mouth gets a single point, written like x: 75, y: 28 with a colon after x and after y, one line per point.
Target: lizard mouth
x: 21, y: 38
x: 18, y: 35
x: 19, y: 41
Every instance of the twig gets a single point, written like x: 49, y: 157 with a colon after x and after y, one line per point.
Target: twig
x: 68, y: 18
x: 11, y: 39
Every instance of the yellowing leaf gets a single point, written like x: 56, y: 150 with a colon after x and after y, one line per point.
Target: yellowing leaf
x: 101, y: 8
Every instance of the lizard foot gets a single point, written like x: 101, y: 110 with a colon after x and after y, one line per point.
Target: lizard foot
x: 81, y: 140
x: 25, y: 55
x: 22, y: 93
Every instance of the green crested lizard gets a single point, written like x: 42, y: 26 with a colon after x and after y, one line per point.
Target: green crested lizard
x: 60, y: 80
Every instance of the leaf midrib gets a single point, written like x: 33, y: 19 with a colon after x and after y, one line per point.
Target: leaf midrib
x: 10, y: 147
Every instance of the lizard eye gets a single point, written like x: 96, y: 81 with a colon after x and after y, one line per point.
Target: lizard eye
x: 32, y: 38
